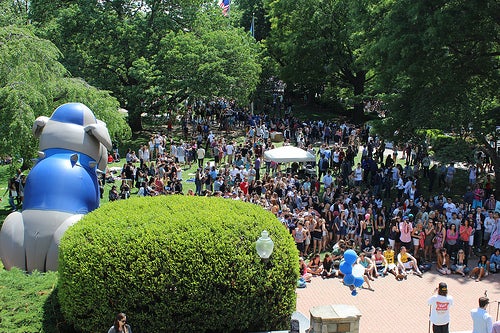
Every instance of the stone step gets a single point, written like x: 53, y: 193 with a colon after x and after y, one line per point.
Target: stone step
x: 304, y: 322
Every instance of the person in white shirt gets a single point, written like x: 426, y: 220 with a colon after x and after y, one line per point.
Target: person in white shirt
x: 201, y: 156
x: 450, y: 208
x: 481, y: 319
x: 230, y: 153
x: 358, y: 175
x: 489, y: 223
x: 328, y: 179
x: 401, y: 187
x: 440, y: 304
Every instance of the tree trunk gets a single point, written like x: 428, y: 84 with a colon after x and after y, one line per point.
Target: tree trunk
x: 358, y: 83
x: 495, y: 160
x: 135, y: 121
x: 494, y: 157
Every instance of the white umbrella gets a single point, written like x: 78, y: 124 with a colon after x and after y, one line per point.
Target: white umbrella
x: 287, y: 154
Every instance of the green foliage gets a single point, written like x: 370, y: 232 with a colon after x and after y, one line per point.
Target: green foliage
x: 104, y: 106
x: 441, y: 58
x: 213, y: 60
x: 448, y: 149
x: 431, y: 133
x: 177, y: 264
x: 120, y: 46
x: 28, y: 303
x: 34, y: 83
x: 13, y: 12
x: 28, y: 63
x: 322, y: 44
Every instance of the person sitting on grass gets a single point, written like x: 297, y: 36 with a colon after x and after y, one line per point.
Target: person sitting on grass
x: 406, y: 261
x: 481, y: 270
x: 113, y: 194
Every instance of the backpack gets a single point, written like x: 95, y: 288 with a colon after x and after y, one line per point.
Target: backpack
x: 425, y: 267
x: 301, y: 283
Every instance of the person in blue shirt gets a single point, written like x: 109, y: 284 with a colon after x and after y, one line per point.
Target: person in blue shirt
x: 495, y: 261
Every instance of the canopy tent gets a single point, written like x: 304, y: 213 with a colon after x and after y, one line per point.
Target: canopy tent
x: 288, y: 154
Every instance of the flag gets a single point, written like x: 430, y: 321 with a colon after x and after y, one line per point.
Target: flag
x: 252, y: 27
x: 224, y: 4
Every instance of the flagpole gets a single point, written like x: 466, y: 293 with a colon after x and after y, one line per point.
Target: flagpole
x: 253, y: 25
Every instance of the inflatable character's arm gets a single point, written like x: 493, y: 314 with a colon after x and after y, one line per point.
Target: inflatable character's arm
x: 39, y: 125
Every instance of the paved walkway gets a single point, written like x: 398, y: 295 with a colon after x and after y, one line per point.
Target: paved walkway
x: 396, y: 307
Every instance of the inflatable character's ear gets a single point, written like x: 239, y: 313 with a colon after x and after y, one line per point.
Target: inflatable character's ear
x: 38, y: 126
x: 100, y: 132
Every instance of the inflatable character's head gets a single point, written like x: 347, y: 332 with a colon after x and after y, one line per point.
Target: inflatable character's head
x: 74, y: 127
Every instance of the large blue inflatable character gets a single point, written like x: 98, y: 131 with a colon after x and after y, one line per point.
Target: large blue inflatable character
x: 60, y: 189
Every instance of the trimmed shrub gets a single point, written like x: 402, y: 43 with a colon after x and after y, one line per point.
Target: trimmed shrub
x: 177, y: 264
x: 448, y: 149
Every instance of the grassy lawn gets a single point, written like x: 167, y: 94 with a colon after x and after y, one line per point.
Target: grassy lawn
x: 28, y: 303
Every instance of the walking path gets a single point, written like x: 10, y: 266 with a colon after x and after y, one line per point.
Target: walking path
x: 396, y: 307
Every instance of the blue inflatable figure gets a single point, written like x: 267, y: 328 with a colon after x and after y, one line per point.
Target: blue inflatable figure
x: 59, y: 190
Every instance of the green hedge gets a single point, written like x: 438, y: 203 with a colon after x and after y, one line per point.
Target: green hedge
x: 177, y: 264
x: 448, y: 149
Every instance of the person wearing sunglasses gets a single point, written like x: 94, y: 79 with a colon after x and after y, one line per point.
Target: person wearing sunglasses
x: 460, y: 265
x: 120, y: 325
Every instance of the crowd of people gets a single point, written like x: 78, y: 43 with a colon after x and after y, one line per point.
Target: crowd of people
x: 377, y: 203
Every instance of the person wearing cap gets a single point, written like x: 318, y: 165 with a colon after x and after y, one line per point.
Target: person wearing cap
x: 481, y: 319
x: 368, y: 248
x: 440, y: 305
x: 366, y: 228
x: 406, y: 229
x: 113, y: 194
x: 382, y: 243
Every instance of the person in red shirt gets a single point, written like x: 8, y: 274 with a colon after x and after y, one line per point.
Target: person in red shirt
x: 244, y: 186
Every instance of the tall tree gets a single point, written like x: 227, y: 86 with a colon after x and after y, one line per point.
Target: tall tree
x: 318, y: 44
x: 440, y: 61
x: 111, y: 43
x: 254, y: 9
x: 214, y: 59
x: 33, y: 83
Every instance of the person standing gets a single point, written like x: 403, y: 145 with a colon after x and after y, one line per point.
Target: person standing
x: 440, y: 304
x: 201, y: 156
x: 482, y: 321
